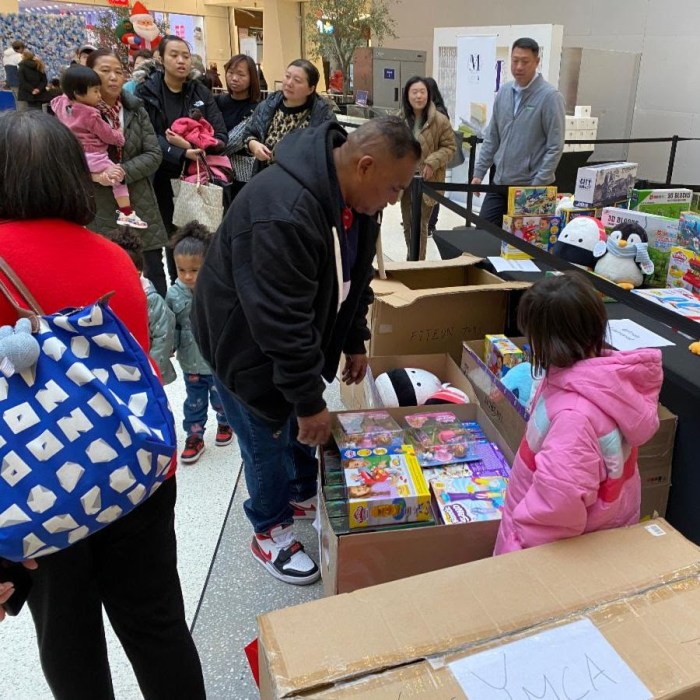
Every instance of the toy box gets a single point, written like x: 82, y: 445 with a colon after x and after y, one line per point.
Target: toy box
x: 689, y: 231
x: 666, y: 202
x: 491, y: 462
x: 501, y: 354
x: 379, y: 492
x: 679, y: 300
x: 540, y: 231
x: 438, y: 437
x: 661, y: 231
x: 569, y: 213
x: 465, y: 499
x: 683, y: 267
x: 529, y: 201
x: 362, y: 432
x: 510, y: 252
x: 600, y: 185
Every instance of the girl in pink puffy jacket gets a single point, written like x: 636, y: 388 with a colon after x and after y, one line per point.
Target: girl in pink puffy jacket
x: 576, y: 468
x: 80, y: 109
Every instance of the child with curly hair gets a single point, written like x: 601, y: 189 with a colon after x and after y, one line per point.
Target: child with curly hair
x: 190, y: 245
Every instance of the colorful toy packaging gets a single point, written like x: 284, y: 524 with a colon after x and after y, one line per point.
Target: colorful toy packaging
x: 541, y: 231
x: 667, y: 202
x: 465, y: 499
x: 680, y: 300
x: 491, y: 462
x: 439, y: 438
x: 601, y: 185
x: 683, y: 269
x: 532, y: 201
x: 689, y: 231
x: 365, y: 433
x: 376, y: 492
x: 501, y: 353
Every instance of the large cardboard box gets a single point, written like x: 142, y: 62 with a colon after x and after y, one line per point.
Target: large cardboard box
x: 360, y: 559
x: 432, y: 306
x: 507, y: 414
x: 635, y: 589
x: 364, y: 395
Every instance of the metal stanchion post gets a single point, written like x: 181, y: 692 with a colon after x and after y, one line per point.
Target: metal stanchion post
x: 472, y: 164
x: 672, y: 160
x: 416, y: 210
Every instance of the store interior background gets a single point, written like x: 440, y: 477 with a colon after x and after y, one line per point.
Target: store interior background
x: 667, y: 97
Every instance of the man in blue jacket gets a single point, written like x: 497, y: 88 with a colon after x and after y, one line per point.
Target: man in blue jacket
x: 282, y: 294
x: 525, y: 137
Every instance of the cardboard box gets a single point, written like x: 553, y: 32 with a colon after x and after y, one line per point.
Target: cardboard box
x: 432, y: 306
x: 365, y: 395
x: 655, y: 458
x: 600, y: 185
x: 637, y: 588
x: 667, y: 202
x: 360, y: 559
x: 661, y: 231
x: 654, y: 501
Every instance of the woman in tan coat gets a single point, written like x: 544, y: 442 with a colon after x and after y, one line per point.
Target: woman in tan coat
x: 434, y: 132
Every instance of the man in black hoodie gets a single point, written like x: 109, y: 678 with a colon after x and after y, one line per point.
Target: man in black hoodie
x: 283, y: 292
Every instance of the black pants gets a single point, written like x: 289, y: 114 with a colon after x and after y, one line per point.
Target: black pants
x: 432, y: 222
x: 130, y: 568
x: 154, y: 271
x: 164, y: 196
x: 495, y: 205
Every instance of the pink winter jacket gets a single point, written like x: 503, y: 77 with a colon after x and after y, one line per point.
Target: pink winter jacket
x: 576, y: 468
x: 86, y: 122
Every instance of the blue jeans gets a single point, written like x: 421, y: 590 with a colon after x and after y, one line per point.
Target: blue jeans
x: 277, y: 467
x: 201, y: 390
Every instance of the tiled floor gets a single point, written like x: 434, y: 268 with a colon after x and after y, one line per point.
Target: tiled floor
x: 224, y: 588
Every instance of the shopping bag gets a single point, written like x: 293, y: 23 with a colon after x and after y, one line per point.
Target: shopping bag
x: 197, y: 201
x: 86, y: 434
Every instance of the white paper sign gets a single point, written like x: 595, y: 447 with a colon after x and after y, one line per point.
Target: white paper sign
x: 568, y: 662
x: 503, y: 265
x: 624, y: 334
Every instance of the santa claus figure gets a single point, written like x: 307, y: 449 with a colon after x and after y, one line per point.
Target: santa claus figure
x: 145, y: 34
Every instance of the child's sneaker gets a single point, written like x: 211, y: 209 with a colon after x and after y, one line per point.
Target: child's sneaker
x: 194, y: 446
x: 132, y: 220
x: 224, y: 435
x: 279, y: 551
x: 305, y: 510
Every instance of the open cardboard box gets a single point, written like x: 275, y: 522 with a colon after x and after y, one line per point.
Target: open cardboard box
x: 432, y: 306
x: 508, y: 415
x: 637, y: 589
x: 365, y: 395
x: 359, y: 559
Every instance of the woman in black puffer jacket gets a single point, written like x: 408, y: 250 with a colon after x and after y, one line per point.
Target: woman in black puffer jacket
x: 32, y: 80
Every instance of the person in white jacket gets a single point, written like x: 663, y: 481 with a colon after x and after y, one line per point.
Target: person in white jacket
x: 10, y: 60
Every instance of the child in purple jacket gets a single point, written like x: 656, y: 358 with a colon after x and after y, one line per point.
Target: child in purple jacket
x: 576, y: 468
x: 78, y: 110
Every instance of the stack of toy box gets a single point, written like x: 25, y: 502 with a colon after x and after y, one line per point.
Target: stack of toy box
x: 580, y: 127
x: 531, y: 217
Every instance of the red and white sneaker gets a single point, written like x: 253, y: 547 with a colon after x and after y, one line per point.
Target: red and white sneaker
x: 305, y: 510
x: 224, y: 435
x: 279, y: 551
x: 194, y: 446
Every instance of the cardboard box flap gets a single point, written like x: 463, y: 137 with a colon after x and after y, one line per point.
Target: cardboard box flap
x: 460, y: 261
x: 354, y: 635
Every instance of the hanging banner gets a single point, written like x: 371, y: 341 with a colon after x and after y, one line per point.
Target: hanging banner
x: 476, y: 84
x: 476, y: 81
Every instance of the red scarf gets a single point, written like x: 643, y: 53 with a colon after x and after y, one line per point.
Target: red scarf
x: 112, y: 116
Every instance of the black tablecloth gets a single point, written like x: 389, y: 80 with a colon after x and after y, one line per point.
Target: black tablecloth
x: 680, y: 392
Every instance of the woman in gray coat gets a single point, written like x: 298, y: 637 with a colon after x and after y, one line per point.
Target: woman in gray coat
x: 140, y: 158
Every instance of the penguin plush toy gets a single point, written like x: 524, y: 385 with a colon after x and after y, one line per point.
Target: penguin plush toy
x: 578, y: 239
x: 624, y: 259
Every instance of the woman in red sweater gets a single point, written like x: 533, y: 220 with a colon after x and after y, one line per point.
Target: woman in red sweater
x: 129, y: 567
